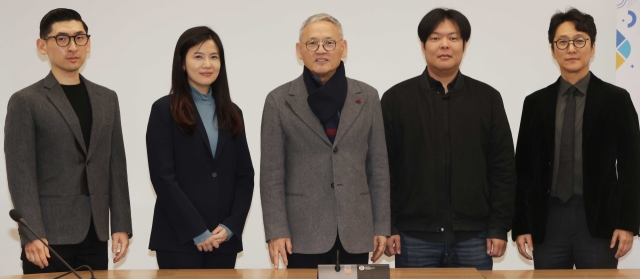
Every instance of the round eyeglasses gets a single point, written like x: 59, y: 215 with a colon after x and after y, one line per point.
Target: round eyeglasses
x: 328, y: 45
x: 563, y: 44
x: 64, y: 40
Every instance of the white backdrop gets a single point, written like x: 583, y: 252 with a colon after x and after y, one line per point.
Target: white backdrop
x: 132, y: 48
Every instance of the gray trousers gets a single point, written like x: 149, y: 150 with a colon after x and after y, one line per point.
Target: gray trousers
x: 568, y: 241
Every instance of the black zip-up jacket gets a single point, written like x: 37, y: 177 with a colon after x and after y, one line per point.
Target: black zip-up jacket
x: 483, y: 177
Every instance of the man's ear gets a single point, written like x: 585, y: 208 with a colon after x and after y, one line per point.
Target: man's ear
x: 345, y: 49
x: 42, y: 46
x: 298, y: 46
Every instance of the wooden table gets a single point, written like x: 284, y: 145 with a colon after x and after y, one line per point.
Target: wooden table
x: 412, y: 273
x: 577, y: 273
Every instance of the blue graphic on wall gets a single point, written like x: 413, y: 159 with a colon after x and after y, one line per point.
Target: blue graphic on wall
x: 623, y: 46
x: 624, y: 49
x: 633, y: 19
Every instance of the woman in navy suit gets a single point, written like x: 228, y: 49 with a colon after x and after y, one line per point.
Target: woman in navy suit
x: 199, y: 161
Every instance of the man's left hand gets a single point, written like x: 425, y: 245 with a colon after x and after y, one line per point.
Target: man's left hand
x: 122, y: 239
x: 625, y: 239
x: 496, y: 247
x: 379, y: 244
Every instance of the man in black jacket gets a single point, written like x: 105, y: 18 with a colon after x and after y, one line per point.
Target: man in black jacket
x: 577, y: 160
x: 450, y: 157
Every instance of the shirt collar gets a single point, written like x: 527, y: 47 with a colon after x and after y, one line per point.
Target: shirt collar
x: 435, y: 84
x: 582, y: 84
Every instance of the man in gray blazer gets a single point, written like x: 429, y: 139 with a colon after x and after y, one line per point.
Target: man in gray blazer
x: 324, y: 175
x: 65, y: 157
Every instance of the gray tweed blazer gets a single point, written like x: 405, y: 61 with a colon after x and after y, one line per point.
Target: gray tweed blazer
x: 311, y: 189
x: 47, y: 162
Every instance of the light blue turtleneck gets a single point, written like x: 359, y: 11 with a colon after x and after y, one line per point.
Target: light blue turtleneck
x: 206, y: 106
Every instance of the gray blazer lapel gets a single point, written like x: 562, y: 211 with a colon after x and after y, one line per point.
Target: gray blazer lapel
x: 350, y: 110
x: 98, y: 114
x: 60, y: 101
x: 297, y: 99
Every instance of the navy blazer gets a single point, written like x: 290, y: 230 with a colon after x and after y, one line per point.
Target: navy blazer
x: 195, y: 191
x: 611, y: 161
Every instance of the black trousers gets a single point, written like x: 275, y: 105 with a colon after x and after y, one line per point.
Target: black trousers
x: 91, y: 251
x: 568, y: 241
x: 313, y: 260
x: 199, y: 260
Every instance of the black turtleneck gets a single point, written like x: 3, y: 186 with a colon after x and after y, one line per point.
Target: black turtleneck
x: 79, y: 100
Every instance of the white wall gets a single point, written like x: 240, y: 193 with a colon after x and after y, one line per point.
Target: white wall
x: 132, y: 48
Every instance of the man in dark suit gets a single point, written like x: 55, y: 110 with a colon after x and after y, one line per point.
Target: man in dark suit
x: 577, y: 159
x: 65, y: 157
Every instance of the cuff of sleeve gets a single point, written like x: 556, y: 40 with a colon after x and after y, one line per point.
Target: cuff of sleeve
x: 497, y: 233
x: 229, y: 232
x: 394, y: 231
x: 202, y: 237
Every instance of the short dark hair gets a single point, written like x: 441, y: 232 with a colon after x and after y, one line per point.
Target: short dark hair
x: 436, y: 16
x: 58, y: 15
x: 584, y: 23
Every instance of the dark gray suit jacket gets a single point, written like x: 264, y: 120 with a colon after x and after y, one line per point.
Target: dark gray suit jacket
x: 47, y: 162
x: 312, y: 189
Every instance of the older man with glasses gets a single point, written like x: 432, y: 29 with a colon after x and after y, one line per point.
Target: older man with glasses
x: 324, y: 177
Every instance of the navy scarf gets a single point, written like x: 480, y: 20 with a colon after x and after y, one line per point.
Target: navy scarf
x: 326, y: 100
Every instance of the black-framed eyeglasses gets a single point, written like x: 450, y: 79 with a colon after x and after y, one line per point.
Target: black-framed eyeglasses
x: 64, y: 40
x: 563, y: 44
x: 328, y: 45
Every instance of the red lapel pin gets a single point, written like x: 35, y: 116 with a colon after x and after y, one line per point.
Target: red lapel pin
x: 358, y: 100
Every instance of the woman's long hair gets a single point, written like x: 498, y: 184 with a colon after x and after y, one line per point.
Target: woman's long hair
x: 182, y: 105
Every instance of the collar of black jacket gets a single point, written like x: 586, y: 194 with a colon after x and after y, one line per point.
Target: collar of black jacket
x: 432, y: 85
